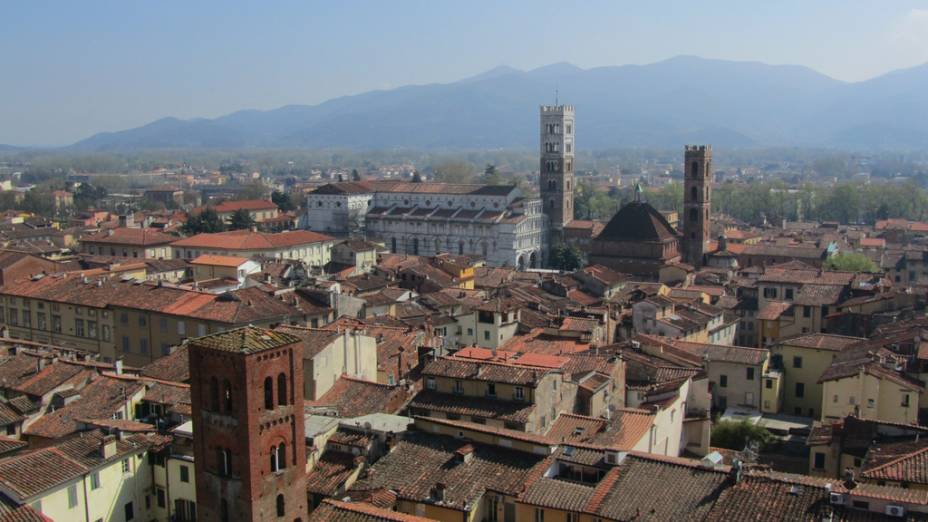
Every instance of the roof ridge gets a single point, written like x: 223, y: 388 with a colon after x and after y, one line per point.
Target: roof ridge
x: 897, y: 460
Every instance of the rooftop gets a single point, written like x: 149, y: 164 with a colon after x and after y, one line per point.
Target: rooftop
x: 245, y: 340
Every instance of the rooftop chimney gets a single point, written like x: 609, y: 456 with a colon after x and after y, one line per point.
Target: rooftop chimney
x: 465, y: 454
x: 108, y: 446
x: 849, y: 481
x: 117, y: 366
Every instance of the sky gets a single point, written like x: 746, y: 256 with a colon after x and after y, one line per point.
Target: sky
x: 71, y: 69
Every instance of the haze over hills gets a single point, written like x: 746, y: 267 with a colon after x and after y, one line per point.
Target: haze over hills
x: 681, y: 100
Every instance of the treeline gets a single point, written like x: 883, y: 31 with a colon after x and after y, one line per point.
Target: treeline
x: 755, y: 202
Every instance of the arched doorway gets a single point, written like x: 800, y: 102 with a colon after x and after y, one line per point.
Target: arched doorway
x: 520, y: 262
x: 533, y: 260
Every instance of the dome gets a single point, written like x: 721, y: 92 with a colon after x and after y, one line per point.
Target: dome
x: 638, y: 221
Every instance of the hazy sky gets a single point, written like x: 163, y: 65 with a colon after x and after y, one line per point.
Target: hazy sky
x: 74, y: 68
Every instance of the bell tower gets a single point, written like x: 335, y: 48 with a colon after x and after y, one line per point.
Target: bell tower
x: 556, y: 170
x: 697, y: 198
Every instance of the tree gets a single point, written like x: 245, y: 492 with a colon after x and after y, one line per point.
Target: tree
x: 851, y: 262
x: 252, y: 191
x: 354, y: 175
x: 491, y: 176
x: 87, y: 196
x: 207, y: 222
x: 456, y: 171
x: 567, y: 258
x: 241, y: 220
x: 283, y: 201
x: 737, y: 435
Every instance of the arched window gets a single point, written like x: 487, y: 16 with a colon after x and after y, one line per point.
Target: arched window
x: 281, y: 456
x: 694, y: 169
x: 393, y: 245
x: 223, y: 510
x: 227, y: 395
x: 224, y: 461
x: 694, y: 215
x: 280, y: 505
x: 214, y: 394
x: 273, y: 457
x: 693, y: 192
x: 268, y: 393
x: 282, y: 389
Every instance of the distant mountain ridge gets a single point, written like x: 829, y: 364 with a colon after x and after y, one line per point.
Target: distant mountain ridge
x: 681, y: 100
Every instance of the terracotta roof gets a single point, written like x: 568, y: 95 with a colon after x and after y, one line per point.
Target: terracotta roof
x: 437, y: 465
x: 214, y: 260
x: 52, y: 376
x: 823, y: 341
x: 638, y: 221
x: 245, y: 204
x: 38, y: 471
x: 558, y: 494
x: 9, y: 415
x: 351, y: 397
x: 337, y: 511
x: 174, y: 367
x: 514, y: 411
x: 330, y: 473
x: 245, y: 340
x: 8, y: 445
x: 314, y: 340
x: 718, y: 352
x: 773, y: 311
x: 898, y: 462
x: 484, y: 371
x: 130, y: 237
x: 623, y: 431
x: 248, y: 240
x: 99, y: 399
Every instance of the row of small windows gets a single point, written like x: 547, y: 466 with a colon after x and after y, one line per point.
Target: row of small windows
x: 269, y: 391
x: 551, y: 166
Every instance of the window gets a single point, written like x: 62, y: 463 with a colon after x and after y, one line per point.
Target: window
x: 181, y: 328
x: 14, y: 316
x: 143, y: 346
x: 124, y: 318
x: 142, y: 321
x: 770, y: 293
x: 486, y: 335
x: 800, y: 390
x: 126, y: 467
x: 573, y: 517
x: 95, y: 480
x: 519, y: 393
x: 130, y: 512
x: 56, y: 323
x: 807, y: 311
x: 104, y: 331
x: 789, y: 293
x: 280, y: 505
x: 905, y: 400
x: 539, y: 515
x: 72, y: 496
x: 40, y: 321
x: 184, y: 473
x: 430, y: 383
x: 491, y: 389
x: 458, y: 387
x: 871, y: 403
x: 91, y: 328
x: 224, y: 461
x: 27, y: 318
x: 282, y: 389
x: 819, y: 460
x: 224, y: 510
x: 723, y: 381
x: 160, y: 498
x: 227, y: 395
x: 214, y: 394
x: 268, y: 393
x: 125, y: 344
x: 281, y: 456
x: 750, y: 374
x: 163, y: 324
x: 797, y: 362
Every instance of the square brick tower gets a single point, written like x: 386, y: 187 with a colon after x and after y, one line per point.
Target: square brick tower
x: 697, y: 199
x: 557, y: 165
x: 246, y: 388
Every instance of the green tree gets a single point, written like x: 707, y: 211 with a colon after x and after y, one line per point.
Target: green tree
x: 454, y: 171
x: 241, y: 220
x: 87, y: 196
x: 851, y: 262
x: 737, y: 434
x: 567, y: 258
x: 207, y: 221
x: 252, y: 191
x: 283, y: 201
x: 491, y: 176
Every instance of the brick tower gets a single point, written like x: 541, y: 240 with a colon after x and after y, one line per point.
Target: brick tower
x: 246, y: 390
x: 557, y: 165
x: 697, y: 198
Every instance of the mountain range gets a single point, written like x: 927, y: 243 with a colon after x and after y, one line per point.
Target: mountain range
x: 665, y: 104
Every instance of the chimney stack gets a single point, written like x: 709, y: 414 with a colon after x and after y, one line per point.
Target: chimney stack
x: 108, y: 446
